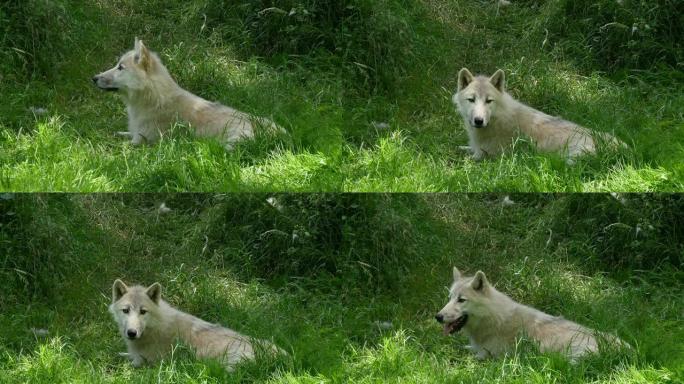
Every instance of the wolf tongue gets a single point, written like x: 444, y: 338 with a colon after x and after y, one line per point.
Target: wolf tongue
x: 447, y: 329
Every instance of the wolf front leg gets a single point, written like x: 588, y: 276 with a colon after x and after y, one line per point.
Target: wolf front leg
x: 136, y: 138
x: 480, y: 352
x: 125, y: 134
x: 136, y: 360
x: 477, y: 153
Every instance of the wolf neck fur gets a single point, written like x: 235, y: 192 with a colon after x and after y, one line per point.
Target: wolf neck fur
x: 166, y: 96
x: 513, y: 318
x: 171, y: 326
x: 522, y: 115
x: 509, y: 110
x: 155, y: 94
x: 492, y: 320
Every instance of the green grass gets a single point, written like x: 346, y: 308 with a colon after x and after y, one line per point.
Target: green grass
x: 318, y: 273
x: 391, y: 62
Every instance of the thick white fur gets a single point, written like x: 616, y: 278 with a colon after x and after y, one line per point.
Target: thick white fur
x: 154, y: 102
x: 495, y: 322
x: 158, y: 326
x: 504, y: 119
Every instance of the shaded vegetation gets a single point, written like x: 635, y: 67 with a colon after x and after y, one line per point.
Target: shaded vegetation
x: 363, y: 89
x: 618, y: 35
x: 348, y: 284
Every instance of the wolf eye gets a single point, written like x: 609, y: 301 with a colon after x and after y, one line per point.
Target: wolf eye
x: 489, y: 101
x: 120, y: 67
x: 125, y: 310
x: 143, y: 311
x: 471, y: 99
x: 461, y: 299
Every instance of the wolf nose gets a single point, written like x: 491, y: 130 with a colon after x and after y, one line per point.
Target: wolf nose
x: 478, y: 121
x: 131, y: 333
x: 439, y: 318
x: 95, y: 79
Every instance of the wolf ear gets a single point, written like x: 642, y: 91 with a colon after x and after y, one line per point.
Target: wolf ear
x: 498, y: 80
x: 118, y: 290
x: 142, y: 54
x: 480, y: 282
x: 154, y: 292
x: 457, y: 274
x: 464, y: 78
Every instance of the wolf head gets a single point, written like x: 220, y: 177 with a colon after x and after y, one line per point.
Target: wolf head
x: 134, y: 308
x: 132, y: 72
x: 477, y: 96
x: 468, y: 298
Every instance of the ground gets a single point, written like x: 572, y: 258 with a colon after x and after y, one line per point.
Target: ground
x: 366, y: 104
x: 347, y: 284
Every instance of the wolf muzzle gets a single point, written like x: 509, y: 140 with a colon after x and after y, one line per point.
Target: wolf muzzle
x: 131, y: 333
x: 478, y: 122
x: 453, y: 326
x: 96, y: 81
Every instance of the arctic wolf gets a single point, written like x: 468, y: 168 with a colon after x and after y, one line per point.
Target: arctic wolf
x: 154, y: 102
x: 150, y: 327
x: 494, y: 322
x: 493, y: 120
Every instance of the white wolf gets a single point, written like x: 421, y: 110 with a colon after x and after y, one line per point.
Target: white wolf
x: 494, y: 322
x: 154, y: 102
x: 150, y: 327
x: 493, y: 120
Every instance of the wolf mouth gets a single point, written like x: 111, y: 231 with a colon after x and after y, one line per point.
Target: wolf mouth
x: 455, y: 325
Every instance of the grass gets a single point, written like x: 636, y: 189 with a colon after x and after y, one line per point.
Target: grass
x: 389, y: 62
x: 348, y: 284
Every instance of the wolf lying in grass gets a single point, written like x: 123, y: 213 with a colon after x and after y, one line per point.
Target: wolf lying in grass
x: 154, y: 102
x: 494, y: 120
x: 150, y: 327
x: 494, y: 322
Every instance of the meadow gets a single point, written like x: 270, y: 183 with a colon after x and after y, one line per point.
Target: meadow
x: 363, y: 88
x: 348, y: 284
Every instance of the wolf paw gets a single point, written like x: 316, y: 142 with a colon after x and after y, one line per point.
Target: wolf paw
x: 137, y: 361
x: 136, y: 139
x: 123, y: 134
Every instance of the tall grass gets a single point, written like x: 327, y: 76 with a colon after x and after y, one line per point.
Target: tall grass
x: 363, y: 89
x: 352, y: 301
x: 617, y: 36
